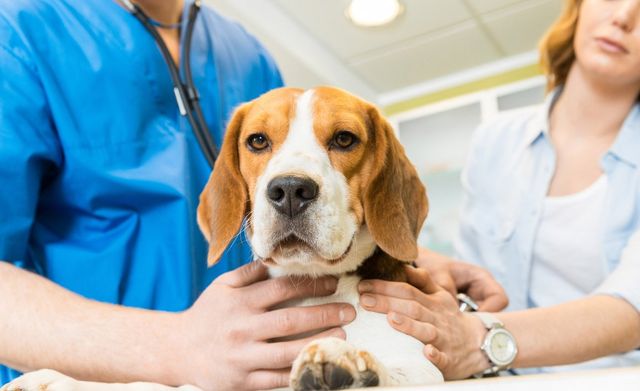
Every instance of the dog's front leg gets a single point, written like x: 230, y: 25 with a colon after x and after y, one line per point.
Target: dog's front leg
x: 331, y: 364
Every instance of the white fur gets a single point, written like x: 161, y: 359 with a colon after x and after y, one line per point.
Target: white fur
x: 330, y: 224
x: 400, y: 355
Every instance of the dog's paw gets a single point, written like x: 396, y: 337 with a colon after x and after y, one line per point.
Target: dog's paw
x: 333, y: 364
x: 42, y: 380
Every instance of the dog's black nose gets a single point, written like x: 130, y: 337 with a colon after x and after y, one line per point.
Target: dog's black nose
x: 291, y: 195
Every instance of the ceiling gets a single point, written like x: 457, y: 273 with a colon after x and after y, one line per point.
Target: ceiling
x: 314, y: 43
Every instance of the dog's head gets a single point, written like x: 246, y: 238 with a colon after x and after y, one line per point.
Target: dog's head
x: 319, y: 178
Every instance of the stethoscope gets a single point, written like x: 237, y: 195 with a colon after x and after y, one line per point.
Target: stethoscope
x: 186, y: 94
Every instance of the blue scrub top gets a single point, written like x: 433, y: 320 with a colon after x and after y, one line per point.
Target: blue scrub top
x: 100, y: 173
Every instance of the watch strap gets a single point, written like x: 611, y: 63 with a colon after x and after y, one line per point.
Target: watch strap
x: 488, y: 320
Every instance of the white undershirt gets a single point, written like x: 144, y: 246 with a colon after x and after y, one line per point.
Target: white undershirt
x: 568, y: 261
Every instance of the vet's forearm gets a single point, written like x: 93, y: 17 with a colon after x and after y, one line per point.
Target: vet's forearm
x: 46, y: 326
x: 572, y: 332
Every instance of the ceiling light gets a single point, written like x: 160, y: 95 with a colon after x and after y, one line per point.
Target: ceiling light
x: 372, y: 13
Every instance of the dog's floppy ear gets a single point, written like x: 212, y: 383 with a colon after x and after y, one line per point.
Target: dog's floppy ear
x: 395, y: 201
x: 223, y: 202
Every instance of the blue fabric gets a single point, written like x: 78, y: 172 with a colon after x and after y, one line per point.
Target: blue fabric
x: 100, y: 173
x: 505, y: 181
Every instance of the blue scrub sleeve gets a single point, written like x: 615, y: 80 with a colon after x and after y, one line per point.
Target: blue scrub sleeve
x: 29, y: 152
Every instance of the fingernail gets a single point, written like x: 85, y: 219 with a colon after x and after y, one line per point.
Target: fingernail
x: 365, y: 286
x: 347, y: 313
x: 429, y: 350
x: 396, y: 318
x: 331, y: 284
x: 339, y: 333
x: 368, y: 300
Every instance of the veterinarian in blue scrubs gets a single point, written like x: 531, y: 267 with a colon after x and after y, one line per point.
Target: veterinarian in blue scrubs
x: 101, y: 177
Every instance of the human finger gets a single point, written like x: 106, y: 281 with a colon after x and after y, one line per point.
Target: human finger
x: 244, y: 275
x: 423, y: 332
x: 438, y: 267
x: 495, y: 302
x: 421, y: 279
x: 438, y: 358
x: 385, y: 304
x: 278, y: 355
x: 480, y: 285
x: 268, y: 379
x: 268, y: 293
x: 401, y: 290
x: 297, y: 320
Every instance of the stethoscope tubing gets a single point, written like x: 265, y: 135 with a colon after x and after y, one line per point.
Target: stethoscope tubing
x: 187, y: 96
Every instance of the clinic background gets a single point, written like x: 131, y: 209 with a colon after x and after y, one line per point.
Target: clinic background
x: 437, y: 71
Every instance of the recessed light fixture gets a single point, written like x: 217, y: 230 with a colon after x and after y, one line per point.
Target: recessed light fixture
x: 373, y: 13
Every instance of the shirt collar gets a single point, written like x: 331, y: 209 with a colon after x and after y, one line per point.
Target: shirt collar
x: 626, y: 146
x: 539, y: 124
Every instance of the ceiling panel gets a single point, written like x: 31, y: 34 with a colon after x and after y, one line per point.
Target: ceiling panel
x: 326, y: 21
x: 518, y: 29
x: 462, y: 48
x: 314, y: 43
x: 482, y: 6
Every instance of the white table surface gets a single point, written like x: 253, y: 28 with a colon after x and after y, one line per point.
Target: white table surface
x: 619, y: 379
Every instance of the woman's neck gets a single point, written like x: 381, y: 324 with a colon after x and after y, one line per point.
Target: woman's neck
x: 591, y: 108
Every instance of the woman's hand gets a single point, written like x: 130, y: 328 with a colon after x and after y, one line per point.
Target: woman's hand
x: 429, y: 313
x: 456, y: 276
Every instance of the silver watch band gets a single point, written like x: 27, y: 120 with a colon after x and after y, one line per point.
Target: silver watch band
x: 488, y: 320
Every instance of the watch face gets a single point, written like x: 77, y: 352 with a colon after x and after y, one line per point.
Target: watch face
x: 502, y: 347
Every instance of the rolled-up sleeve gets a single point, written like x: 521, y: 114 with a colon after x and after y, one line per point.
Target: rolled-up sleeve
x: 28, y: 148
x: 624, y: 281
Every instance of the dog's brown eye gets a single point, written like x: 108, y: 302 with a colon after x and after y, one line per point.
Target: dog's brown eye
x: 344, y: 140
x: 257, y: 142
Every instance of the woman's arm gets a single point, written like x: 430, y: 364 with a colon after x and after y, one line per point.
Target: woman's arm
x: 575, y: 331
x: 580, y: 330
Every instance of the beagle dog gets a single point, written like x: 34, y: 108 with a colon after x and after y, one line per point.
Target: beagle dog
x: 323, y: 187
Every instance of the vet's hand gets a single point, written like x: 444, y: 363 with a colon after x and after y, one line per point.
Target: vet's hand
x: 429, y: 313
x: 226, y: 334
x: 455, y: 276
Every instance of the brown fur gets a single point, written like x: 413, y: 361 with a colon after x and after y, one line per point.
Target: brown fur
x: 223, y: 202
x: 386, y: 193
x: 382, y: 266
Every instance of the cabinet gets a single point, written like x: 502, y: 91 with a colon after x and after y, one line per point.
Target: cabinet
x: 436, y: 139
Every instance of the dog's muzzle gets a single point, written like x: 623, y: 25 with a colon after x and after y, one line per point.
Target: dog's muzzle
x: 291, y: 195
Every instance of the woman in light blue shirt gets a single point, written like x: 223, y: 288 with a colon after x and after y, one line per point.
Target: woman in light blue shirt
x: 552, y: 209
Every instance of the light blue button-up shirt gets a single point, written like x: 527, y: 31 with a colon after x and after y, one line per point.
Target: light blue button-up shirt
x: 100, y: 174
x: 505, y: 181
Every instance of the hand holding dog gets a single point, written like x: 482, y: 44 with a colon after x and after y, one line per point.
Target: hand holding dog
x: 429, y: 313
x: 227, y: 332
x: 456, y: 276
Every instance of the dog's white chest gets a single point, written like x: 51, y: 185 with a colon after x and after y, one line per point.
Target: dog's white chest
x: 399, y: 353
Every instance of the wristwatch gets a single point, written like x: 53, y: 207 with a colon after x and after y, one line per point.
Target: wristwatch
x: 499, y: 344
